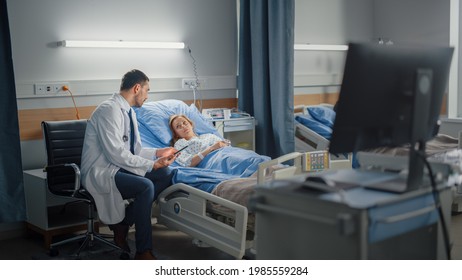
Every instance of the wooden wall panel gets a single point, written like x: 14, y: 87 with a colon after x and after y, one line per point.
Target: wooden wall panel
x: 216, y: 103
x: 313, y: 99
x: 331, y: 98
x: 30, y: 120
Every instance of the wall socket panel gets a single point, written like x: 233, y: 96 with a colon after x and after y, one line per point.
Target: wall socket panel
x: 190, y: 83
x: 50, y: 88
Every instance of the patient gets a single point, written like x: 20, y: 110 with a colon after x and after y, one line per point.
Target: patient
x: 210, y: 151
x: 195, y: 147
x: 222, y: 164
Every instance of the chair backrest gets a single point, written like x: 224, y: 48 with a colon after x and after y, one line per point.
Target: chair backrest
x: 64, y: 143
x: 64, y: 140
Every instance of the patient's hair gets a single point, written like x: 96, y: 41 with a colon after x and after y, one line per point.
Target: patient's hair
x: 170, y: 124
x: 132, y: 78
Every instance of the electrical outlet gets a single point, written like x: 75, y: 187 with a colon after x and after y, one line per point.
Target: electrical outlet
x: 58, y: 87
x: 50, y: 88
x: 39, y: 89
x: 43, y: 89
x: 193, y: 83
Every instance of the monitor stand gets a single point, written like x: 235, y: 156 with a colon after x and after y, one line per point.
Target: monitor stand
x: 414, y: 179
x: 419, y: 125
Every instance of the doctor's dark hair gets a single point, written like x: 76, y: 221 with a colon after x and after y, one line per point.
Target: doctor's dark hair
x: 132, y: 78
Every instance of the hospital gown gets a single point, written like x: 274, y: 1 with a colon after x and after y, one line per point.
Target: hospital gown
x: 195, y: 145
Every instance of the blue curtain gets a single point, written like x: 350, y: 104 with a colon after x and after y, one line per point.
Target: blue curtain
x: 12, y: 204
x: 266, y: 63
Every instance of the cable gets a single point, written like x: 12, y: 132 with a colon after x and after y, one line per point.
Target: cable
x: 436, y: 198
x: 196, y: 84
x: 66, y: 88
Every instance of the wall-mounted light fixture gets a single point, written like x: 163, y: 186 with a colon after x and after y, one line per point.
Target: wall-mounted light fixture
x: 312, y: 47
x: 121, y: 44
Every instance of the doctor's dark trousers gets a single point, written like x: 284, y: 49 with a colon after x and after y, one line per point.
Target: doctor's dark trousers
x: 144, y: 191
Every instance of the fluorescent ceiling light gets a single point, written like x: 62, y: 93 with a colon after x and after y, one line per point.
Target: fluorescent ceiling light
x: 121, y: 44
x: 311, y: 47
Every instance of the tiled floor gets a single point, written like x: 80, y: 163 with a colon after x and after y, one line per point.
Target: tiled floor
x: 173, y: 245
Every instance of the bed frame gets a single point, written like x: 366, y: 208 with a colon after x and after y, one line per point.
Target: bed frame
x: 186, y: 209
x: 308, y: 141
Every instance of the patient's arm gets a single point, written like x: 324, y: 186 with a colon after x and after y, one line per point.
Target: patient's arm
x: 198, y: 148
x: 200, y: 156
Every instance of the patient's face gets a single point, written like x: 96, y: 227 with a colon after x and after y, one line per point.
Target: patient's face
x: 183, y: 128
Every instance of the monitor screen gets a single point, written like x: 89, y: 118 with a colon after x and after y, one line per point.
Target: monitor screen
x: 389, y: 96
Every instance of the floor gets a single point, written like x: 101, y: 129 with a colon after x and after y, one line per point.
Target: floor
x: 456, y: 235
x: 171, y: 245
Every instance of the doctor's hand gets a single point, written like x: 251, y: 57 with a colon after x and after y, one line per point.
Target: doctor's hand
x: 165, y: 152
x: 164, y: 161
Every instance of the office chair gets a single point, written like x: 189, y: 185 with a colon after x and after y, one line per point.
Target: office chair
x: 64, y: 143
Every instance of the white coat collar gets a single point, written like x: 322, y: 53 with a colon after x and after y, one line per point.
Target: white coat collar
x: 122, y: 101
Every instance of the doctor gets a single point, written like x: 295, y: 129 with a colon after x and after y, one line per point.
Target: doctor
x: 116, y: 168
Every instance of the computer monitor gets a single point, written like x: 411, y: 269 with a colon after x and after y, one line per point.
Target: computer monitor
x: 391, y: 96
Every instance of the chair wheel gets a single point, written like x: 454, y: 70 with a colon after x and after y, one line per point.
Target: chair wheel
x: 124, y: 256
x: 53, y: 252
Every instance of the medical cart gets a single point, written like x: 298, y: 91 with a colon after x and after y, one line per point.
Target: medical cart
x: 342, y: 218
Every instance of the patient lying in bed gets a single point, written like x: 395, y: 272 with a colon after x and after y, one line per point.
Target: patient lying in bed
x: 210, y: 151
x: 193, y: 147
x: 219, y: 165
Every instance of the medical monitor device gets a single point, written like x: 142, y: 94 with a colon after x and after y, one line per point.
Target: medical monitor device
x: 390, y: 96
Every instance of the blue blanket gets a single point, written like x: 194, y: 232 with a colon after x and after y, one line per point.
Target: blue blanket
x: 223, y: 164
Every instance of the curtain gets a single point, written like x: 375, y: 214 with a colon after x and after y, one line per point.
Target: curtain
x: 266, y: 63
x: 12, y: 204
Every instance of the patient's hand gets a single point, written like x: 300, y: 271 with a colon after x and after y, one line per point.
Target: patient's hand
x: 165, y: 152
x: 219, y: 144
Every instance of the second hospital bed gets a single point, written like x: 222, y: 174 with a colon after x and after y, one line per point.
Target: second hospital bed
x: 313, y: 130
x: 209, y: 206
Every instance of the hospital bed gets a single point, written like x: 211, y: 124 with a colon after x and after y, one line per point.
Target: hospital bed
x: 312, y: 132
x: 212, y: 211
x: 313, y: 129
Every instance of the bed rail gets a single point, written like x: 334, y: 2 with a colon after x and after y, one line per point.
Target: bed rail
x: 184, y: 208
x: 283, y: 172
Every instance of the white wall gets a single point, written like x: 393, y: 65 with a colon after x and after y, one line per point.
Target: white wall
x: 207, y: 26
x: 327, y: 22
x: 343, y: 21
x: 423, y: 22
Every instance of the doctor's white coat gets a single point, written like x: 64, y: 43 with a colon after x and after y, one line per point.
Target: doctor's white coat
x: 106, y: 149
